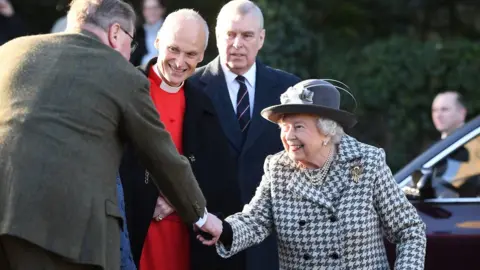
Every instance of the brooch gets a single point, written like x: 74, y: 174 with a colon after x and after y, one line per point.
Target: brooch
x: 356, y: 173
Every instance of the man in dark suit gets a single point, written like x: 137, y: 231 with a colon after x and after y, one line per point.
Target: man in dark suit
x: 68, y: 103
x: 240, y: 86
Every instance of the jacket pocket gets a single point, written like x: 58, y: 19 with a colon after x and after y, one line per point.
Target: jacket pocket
x: 112, y: 210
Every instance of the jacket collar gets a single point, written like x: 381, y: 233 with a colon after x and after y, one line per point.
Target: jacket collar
x: 349, y: 149
x: 89, y: 34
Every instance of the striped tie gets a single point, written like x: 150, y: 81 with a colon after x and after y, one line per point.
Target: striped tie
x: 243, y: 105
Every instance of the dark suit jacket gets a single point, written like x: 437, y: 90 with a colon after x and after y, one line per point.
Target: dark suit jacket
x: 208, y: 152
x: 263, y: 138
x: 67, y: 105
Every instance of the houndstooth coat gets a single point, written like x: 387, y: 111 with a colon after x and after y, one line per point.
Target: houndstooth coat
x: 337, y: 224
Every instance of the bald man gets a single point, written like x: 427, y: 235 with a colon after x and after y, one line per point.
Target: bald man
x: 159, y: 239
x: 448, y: 112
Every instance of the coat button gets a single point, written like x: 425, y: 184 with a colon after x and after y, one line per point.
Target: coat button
x: 302, y: 222
x: 307, y: 257
x: 334, y: 256
x: 333, y: 218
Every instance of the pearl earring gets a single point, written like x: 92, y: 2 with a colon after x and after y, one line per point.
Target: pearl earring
x: 325, y: 142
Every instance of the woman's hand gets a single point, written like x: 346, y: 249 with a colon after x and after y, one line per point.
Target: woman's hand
x: 212, y: 230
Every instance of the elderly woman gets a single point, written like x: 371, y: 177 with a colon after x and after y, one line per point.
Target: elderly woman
x: 329, y: 198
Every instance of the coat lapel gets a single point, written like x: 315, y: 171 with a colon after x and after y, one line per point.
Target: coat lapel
x: 194, y: 110
x: 216, y: 89
x: 264, y: 82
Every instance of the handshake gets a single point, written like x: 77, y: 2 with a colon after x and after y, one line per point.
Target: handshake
x: 210, y: 232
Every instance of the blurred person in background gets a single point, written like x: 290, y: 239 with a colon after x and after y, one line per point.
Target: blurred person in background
x: 448, y: 112
x: 11, y: 25
x: 60, y: 25
x: 153, y: 12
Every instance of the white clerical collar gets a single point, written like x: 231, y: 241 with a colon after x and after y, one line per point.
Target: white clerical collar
x: 249, y: 75
x: 163, y: 85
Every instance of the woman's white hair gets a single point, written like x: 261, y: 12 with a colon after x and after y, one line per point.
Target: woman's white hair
x: 330, y: 129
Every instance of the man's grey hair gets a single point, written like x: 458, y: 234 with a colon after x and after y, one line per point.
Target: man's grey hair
x: 330, y: 129
x: 101, y: 13
x: 241, y: 7
x: 184, y: 14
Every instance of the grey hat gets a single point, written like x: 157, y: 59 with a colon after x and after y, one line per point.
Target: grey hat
x: 314, y: 96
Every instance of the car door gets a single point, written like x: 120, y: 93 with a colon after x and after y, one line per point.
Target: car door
x: 449, y: 203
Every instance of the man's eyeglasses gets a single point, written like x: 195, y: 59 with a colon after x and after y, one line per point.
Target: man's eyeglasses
x: 134, y: 43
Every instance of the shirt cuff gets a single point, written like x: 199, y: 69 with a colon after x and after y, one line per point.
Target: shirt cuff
x: 202, y: 220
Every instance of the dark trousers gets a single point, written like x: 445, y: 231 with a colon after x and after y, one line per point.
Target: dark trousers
x: 18, y: 254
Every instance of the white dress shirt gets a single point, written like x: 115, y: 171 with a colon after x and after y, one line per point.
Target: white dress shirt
x: 233, y: 85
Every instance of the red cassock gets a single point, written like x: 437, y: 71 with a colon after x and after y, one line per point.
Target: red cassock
x: 167, y: 245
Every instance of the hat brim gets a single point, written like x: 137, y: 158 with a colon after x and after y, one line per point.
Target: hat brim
x: 275, y: 113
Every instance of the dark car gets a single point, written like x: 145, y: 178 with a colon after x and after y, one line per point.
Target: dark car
x: 443, y: 183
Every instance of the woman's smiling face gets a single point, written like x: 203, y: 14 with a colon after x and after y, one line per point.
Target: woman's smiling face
x: 301, y: 138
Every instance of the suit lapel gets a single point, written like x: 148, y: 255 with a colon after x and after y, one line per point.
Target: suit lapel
x: 216, y: 89
x: 264, y: 82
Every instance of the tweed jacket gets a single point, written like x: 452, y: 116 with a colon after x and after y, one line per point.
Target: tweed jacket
x: 336, y: 224
x: 68, y: 105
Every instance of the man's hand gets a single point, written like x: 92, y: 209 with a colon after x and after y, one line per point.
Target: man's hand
x: 6, y: 8
x: 162, y: 209
x: 214, y: 227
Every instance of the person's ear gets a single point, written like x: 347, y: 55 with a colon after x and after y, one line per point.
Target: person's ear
x: 262, y: 39
x: 200, y: 57
x: 114, y: 35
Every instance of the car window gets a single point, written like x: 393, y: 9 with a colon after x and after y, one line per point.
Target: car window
x: 455, y: 176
